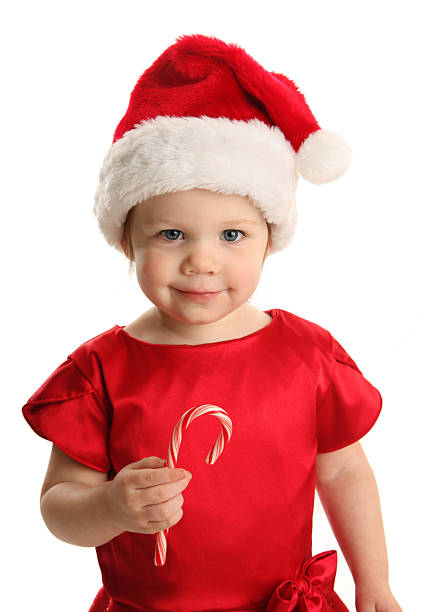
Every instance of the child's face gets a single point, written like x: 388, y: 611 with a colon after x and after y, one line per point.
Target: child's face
x: 201, y: 245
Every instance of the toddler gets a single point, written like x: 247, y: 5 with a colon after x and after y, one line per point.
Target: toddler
x: 197, y: 189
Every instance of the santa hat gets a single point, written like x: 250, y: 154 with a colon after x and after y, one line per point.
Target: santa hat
x: 206, y: 114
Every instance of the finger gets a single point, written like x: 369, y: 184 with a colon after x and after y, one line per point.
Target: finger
x: 153, y: 477
x: 147, y: 462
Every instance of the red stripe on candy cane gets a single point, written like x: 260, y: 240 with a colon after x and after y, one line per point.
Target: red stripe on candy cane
x: 212, y: 456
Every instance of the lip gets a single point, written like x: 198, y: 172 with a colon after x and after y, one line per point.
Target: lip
x: 199, y: 292
x: 198, y: 296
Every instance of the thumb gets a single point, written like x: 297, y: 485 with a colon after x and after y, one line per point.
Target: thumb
x: 151, y: 462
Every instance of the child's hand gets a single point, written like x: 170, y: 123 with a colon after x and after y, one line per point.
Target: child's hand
x: 145, y: 497
x: 375, y: 597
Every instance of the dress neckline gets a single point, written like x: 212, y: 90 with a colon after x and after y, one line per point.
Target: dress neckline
x: 272, y: 312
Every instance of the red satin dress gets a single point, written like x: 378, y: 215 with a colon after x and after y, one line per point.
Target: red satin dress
x: 244, y: 542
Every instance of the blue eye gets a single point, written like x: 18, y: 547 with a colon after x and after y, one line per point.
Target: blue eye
x: 234, y: 230
x: 176, y: 230
x: 167, y: 232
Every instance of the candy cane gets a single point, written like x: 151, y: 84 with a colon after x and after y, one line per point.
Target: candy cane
x: 212, y: 456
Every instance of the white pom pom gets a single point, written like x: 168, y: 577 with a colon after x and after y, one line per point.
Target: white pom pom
x: 324, y: 156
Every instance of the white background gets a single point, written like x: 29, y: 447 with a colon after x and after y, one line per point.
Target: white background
x: 353, y: 266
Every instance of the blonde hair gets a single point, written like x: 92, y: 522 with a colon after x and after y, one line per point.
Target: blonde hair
x: 126, y: 240
x: 127, y: 245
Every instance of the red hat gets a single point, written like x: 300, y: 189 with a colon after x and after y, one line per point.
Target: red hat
x: 206, y: 114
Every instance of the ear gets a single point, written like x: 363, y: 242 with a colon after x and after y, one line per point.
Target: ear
x: 124, y: 245
x: 269, y: 243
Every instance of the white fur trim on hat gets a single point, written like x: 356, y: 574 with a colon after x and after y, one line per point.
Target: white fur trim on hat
x: 168, y: 154
x: 324, y: 156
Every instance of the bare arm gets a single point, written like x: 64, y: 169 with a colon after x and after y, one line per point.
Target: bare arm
x: 348, y: 492
x: 73, y: 502
x: 78, y: 514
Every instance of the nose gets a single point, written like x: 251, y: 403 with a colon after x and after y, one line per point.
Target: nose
x: 201, y: 257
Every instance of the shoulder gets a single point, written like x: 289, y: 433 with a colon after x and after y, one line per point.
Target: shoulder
x: 96, y: 355
x: 306, y: 332
x: 319, y: 336
x: 101, y: 344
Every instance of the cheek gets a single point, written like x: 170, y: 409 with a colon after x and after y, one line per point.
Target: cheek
x: 244, y: 271
x: 152, y: 266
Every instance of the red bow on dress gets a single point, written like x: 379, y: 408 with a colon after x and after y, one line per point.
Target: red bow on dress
x: 311, y: 589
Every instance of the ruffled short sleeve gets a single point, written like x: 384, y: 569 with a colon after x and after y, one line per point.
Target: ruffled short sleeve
x: 69, y: 411
x: 350, y: 406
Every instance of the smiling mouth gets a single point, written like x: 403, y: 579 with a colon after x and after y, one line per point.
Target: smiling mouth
x: 199, y: 292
